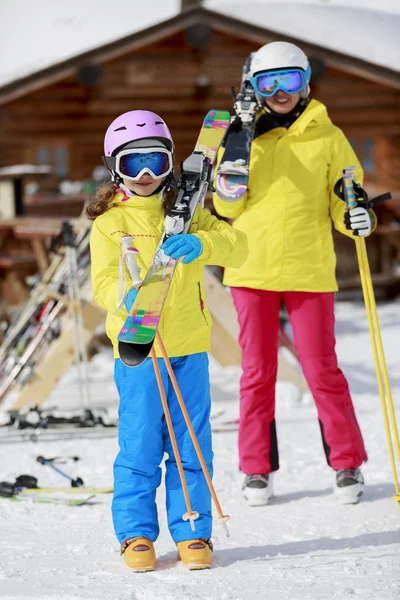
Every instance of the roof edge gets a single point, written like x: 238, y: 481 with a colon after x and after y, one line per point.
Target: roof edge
x: 220, y: 22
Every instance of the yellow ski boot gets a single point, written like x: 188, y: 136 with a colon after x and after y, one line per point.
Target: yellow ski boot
x: 196, y: 554
x: 139, y: 554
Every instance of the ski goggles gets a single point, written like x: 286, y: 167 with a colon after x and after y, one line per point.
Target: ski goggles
x: 132, y: 164
x: 291, y: 81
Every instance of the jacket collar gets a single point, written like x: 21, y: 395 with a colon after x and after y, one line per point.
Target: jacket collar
x: 150, y: 204
x: 314, y: 112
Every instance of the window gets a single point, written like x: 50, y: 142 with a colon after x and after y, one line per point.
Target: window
x: 57, y: 157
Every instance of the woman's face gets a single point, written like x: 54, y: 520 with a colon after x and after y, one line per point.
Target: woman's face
x: 282, y: 103
x: 145, y: 186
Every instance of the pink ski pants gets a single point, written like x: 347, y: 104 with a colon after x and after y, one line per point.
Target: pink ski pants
x: 312, y: 319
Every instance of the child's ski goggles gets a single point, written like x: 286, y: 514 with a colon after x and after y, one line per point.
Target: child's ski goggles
x: 291, y: 81
x: 132, y: 164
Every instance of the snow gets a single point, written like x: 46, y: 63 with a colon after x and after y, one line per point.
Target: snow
x: 36, y: 35
x: 24, y: 170
x: 365, y: 30
x: 302, y: 546
x: 39, y: 34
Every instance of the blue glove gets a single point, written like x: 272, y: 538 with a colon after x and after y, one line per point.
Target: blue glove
x: 130, y: 298
x: 183, y: 244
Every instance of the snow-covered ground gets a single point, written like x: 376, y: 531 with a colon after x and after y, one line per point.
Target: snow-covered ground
x: 302, y: 546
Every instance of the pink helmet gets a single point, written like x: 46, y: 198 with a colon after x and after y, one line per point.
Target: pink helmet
x: 136, y: 125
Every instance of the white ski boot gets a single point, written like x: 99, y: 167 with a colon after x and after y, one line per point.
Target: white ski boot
x: 349, y: 486
x: 257, y: 489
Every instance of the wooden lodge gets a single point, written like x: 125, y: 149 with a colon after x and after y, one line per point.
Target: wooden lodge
x: 180, y: 69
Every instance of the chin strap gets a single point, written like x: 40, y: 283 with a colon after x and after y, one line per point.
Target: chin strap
x: 126, y: 190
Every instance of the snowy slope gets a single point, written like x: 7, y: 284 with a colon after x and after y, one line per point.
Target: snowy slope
x: 303, y: 546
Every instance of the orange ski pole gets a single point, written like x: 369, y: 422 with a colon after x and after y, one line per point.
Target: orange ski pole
x: 190, y: 515
x: 221, y: 517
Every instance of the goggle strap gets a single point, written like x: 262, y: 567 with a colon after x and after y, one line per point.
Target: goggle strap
x: 109, y: 162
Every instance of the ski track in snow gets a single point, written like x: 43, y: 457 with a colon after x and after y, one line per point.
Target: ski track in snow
x: 302, y: 546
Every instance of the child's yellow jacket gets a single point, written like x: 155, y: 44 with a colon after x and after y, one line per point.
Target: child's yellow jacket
x: 288, y: 211
x: 186, y: 322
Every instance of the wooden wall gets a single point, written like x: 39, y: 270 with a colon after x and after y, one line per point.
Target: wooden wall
x: 182, y: 84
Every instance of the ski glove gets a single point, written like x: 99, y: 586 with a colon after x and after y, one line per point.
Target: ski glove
x: 359, y: 220
x: 183, y: 244
x: 130, y: 298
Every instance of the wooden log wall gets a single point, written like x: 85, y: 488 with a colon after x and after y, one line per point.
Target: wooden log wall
x: 182, y: 84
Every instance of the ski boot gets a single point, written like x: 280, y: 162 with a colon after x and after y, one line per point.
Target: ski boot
x: 195, y: 554
x: 139, y: 554
x: 257, y: 489
x: 349, y: 486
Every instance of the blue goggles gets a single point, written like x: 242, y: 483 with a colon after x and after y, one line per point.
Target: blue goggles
x: 132, y: 164
x: 291, y: 81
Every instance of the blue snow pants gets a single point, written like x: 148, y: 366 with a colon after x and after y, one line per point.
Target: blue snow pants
x: 143, y: 438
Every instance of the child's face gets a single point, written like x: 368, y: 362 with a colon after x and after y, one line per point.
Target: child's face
x: 145, y: 186
x: 283, y: 103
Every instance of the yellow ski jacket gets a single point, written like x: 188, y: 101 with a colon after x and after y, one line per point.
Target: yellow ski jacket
x: 290, y: 206
x: 185, y: 323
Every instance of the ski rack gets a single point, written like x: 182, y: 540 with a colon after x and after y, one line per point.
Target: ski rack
x: 66, y: 312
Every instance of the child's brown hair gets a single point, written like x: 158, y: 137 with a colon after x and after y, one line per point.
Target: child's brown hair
x: 102, y: 201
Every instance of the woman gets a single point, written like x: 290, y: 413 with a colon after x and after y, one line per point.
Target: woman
x: 297, y: 157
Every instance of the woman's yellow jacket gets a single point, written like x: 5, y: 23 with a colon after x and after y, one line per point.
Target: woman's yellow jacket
x: 185, y: 323
x: 290, y: 206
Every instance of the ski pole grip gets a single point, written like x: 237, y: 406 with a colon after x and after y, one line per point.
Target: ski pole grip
x: 68, y: 234
x: 76, y: 482
x: 348, y: 188
x: 26, y: 481
x: 42, y: 460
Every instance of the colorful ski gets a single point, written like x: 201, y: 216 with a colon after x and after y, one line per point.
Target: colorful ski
x: 233, y: 171
x: 138, y: 333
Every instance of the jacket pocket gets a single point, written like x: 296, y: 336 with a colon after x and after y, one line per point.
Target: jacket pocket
x: 202, y: 305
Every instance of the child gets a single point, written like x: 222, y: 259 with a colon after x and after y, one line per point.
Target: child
x: 139, y: 154
x: 297, y: 157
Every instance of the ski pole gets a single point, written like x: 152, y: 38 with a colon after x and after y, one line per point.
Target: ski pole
x: 74, y: 482
x: 190, y: 515
x: 221, y: 517
x: 81, y: 357
x: 375, y: 334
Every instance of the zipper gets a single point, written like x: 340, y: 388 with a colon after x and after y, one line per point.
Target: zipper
x: 202, y: 306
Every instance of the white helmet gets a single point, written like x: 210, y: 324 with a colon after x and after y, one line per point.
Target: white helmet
x: 281, y: 55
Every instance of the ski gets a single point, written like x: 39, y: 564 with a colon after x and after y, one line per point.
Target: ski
x: 225, y: 426
x: 9, y: 492
x: 63, y: 490
x: 15, y: 436
x: 137, y: 335
x: 233, y: 171
x: 49, y: 499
